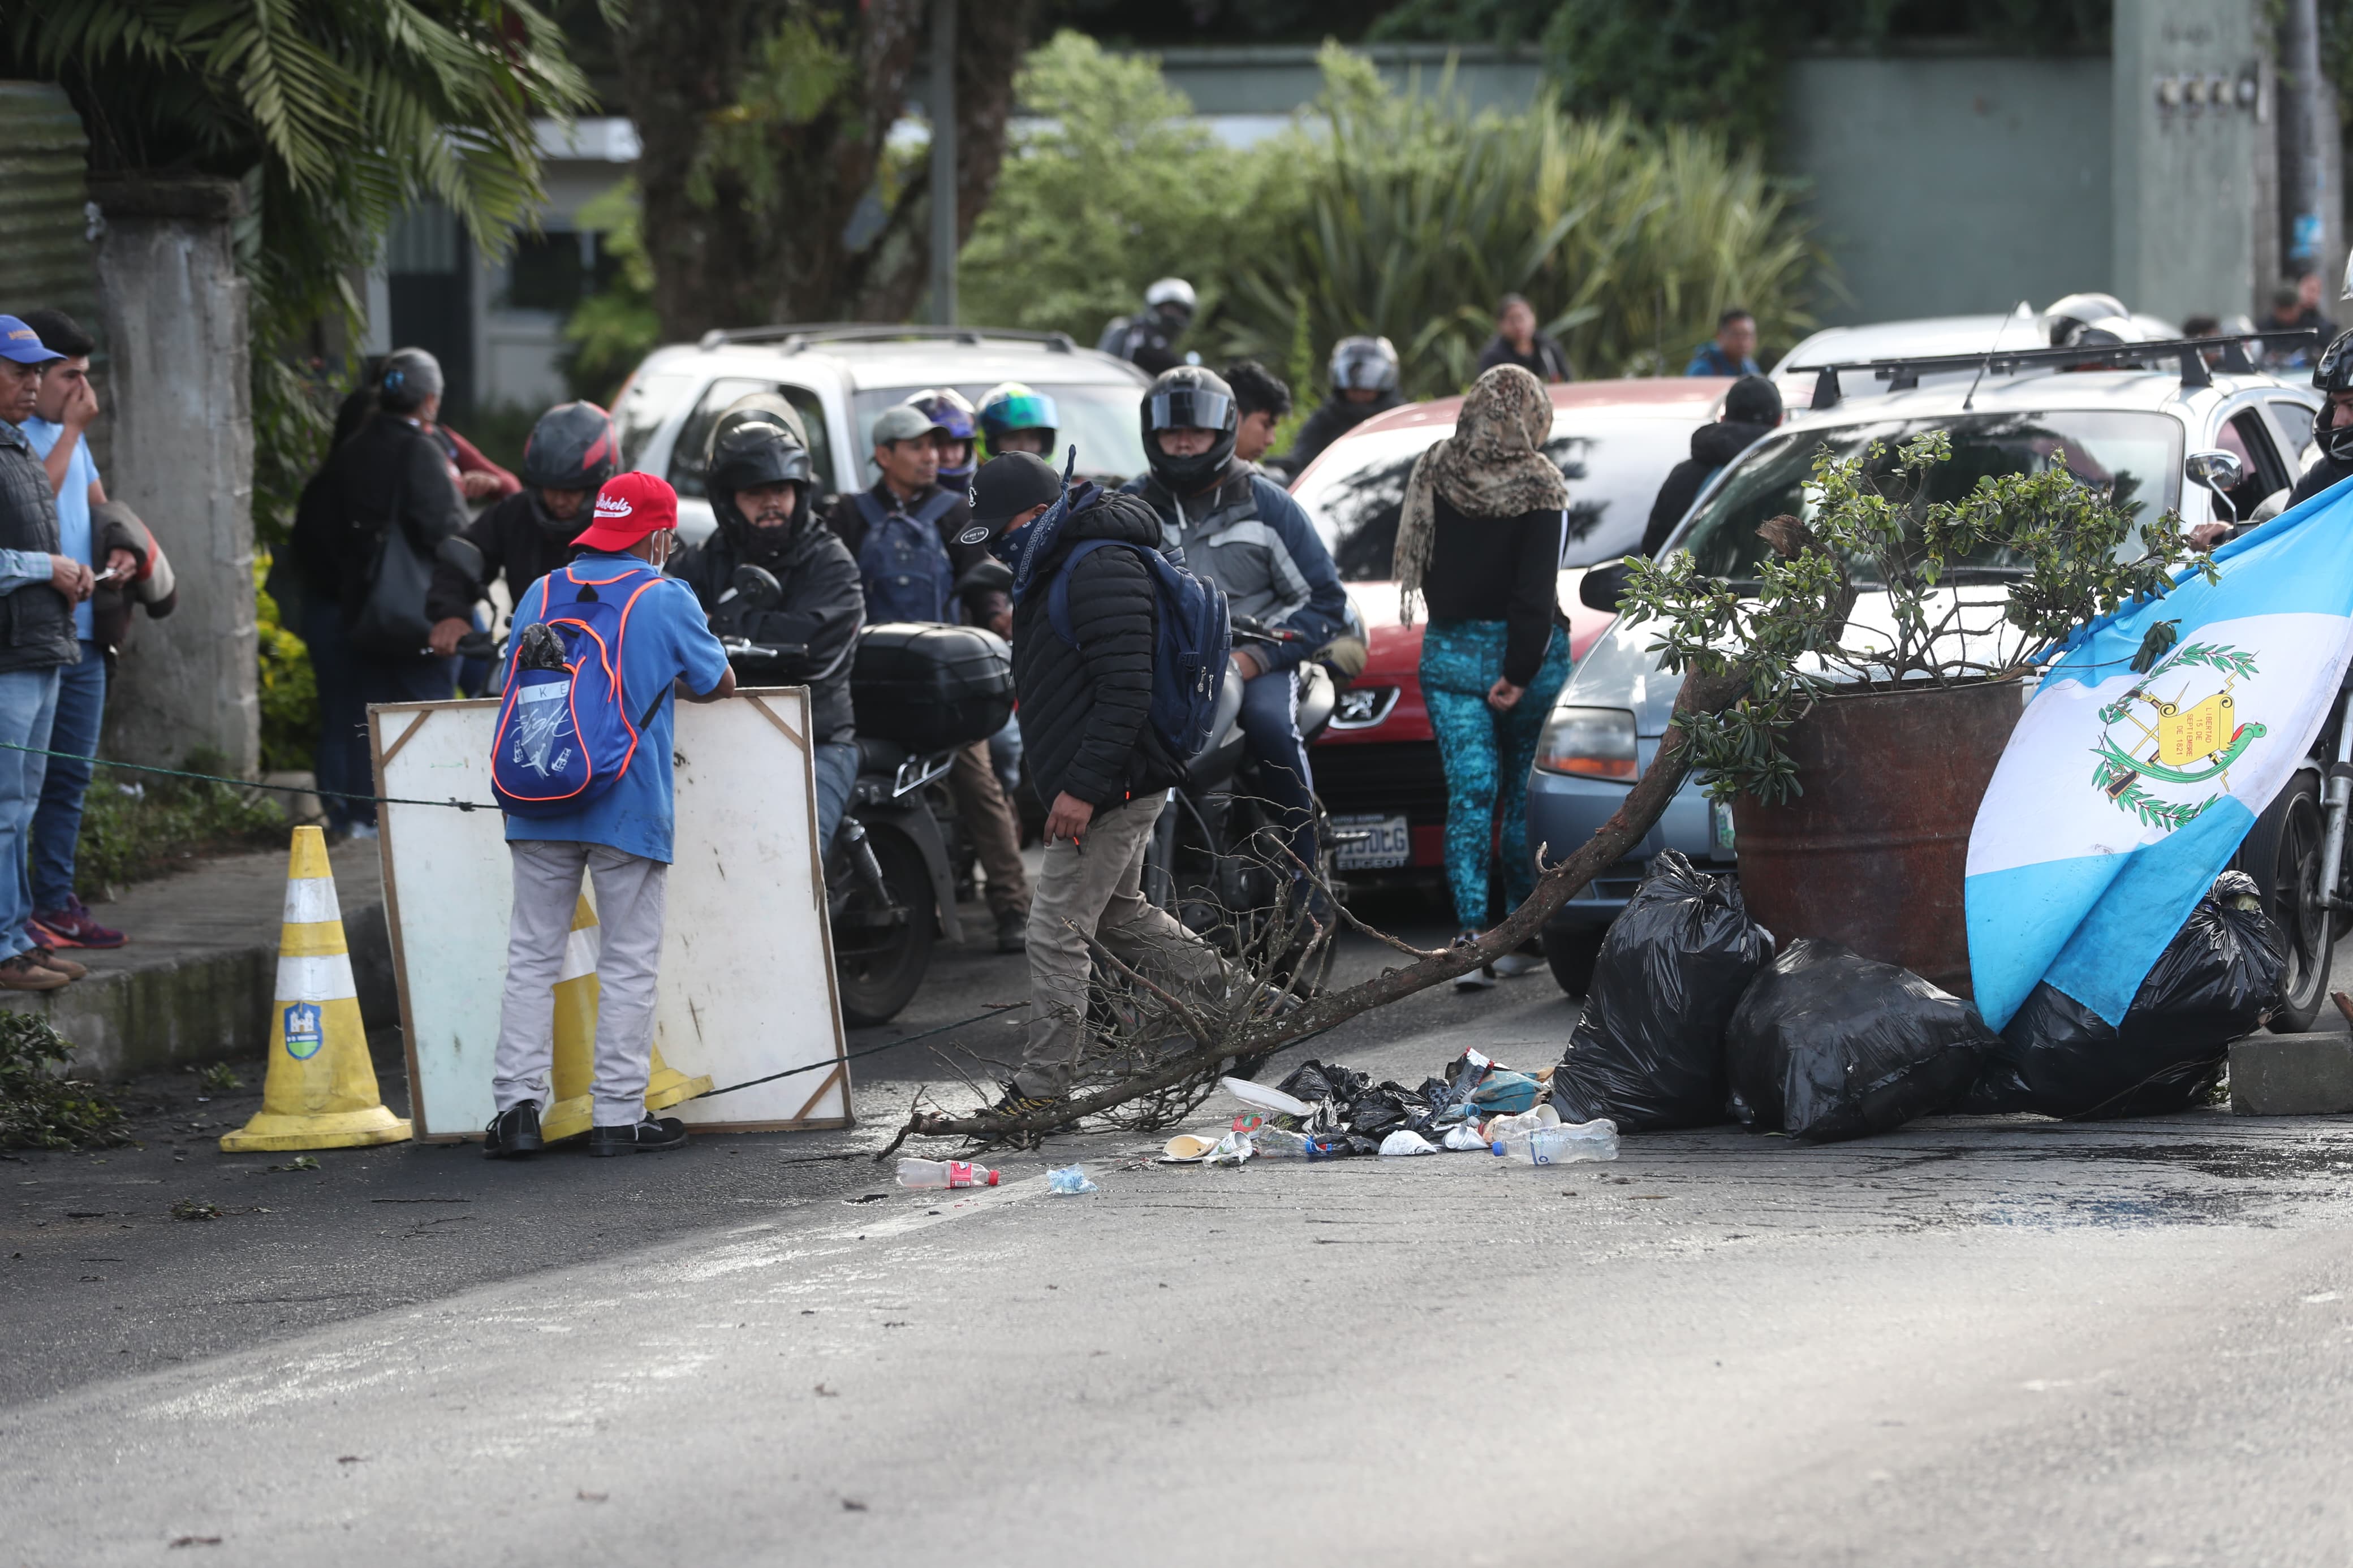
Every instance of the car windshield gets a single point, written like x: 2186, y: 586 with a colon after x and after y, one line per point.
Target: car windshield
x: 2137, y: 456
x: 1614, y: 468
x: 1100, y: 420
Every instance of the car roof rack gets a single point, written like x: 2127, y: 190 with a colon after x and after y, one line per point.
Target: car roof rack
x: 1904, y: 374
x: 793, y: 339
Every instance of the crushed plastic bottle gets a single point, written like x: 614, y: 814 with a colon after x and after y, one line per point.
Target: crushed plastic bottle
x: 1404, y: 1141
x: 1289, y: 1143
x: 914, y: 1172
x: 1463, y: 1136
x: 1070, y: 1179
x: 1594, y: 1140
x: 1500, y: 1129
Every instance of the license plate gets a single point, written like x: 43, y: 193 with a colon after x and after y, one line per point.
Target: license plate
x: 1370, y: 843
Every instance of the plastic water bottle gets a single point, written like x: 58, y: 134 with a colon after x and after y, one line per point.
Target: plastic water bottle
x: 1070, y: 1179
x: 944, y: 1173
x: 1285, y: 1143
x: 1503, y: 1128
x: 1594, y: 1139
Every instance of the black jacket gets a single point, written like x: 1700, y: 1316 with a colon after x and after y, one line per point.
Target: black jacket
x: 1332, y: 418
x: 2319, y: 476
x: 512, y: 540
x: 341, y: 519
x: 1085, y: 711
x: 1545, y: 360
x: 1498, y: 569
x: 1712, y: 446
x: 823, y: 607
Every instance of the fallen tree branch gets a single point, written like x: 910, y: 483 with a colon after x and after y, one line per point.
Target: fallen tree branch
x: 1626, y: 829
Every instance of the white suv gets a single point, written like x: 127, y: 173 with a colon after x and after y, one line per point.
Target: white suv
x: 841, y: 376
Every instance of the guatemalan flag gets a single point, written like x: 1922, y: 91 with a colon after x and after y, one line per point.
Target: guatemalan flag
x: 2121, y: 796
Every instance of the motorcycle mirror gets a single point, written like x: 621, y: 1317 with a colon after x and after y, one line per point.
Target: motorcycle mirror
x: 1602, y: 587
x: 463, y: 553
x: 2218, y: 472
x: 757, y: 587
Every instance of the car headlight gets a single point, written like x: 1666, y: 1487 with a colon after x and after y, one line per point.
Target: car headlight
x: 1362, y: 707
x: 1593, y: 742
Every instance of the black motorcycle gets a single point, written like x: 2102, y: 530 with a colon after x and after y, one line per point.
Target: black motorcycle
x: 920, y: 692
x: 1215, y: 860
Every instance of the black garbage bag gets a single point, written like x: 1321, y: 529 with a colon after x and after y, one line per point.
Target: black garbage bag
x: 1828, y: 1045
x: 2213, y: 983
x: 1648, y: 1050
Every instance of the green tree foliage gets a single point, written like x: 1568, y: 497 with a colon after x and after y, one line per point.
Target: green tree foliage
x: 334, y: 115
x: 40, y: 1108
x: 614, y: 328
x: 1405, y: 216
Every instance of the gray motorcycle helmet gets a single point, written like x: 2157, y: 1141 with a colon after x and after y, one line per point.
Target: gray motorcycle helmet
x: 1364, y: 363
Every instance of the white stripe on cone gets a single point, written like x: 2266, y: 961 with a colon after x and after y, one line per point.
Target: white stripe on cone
x: 309, y: 899
x: 326, y: 977
x: 580, y: 954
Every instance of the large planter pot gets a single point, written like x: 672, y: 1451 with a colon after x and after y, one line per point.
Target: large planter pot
x: 1874, y: 854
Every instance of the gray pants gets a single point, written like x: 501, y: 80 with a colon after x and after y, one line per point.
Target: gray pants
x: 1097, y: 891
x: 629, y: 894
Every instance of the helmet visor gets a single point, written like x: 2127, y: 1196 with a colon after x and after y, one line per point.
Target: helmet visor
x: 1188, y: 408
x: 1027, y: 411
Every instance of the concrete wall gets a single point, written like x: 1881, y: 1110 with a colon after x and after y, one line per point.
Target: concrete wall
x: 2185, y: 192
x: 176, y: 316
x: 1952, y: 184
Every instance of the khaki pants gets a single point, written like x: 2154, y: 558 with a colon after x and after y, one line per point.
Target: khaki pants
x: 994, y: 829
x: 1098, y: 890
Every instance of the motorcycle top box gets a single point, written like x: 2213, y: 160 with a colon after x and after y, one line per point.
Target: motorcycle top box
x: 931, y: 687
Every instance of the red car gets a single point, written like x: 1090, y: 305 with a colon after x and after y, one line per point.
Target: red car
x: 1377, y: 767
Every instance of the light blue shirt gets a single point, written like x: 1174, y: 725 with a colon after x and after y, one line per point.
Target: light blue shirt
x: 669, y: 638
x: 73, y: 504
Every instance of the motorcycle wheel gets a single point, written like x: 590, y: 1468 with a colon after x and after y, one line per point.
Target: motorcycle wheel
x: 879, y: 962
x: 2281, y: 852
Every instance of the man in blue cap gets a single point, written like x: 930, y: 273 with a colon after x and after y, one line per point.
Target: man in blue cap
x: 39, y: 586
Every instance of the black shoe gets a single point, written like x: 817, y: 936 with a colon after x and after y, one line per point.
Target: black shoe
x: 513, y: 1133
x: 1015, y: 1103
x: 651, y: 1136
x: 1012, y: 932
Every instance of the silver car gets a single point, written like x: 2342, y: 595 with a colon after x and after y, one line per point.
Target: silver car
x: 2132, y: 426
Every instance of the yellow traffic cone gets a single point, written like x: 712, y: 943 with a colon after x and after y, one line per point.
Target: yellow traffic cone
x: 574, y: 1109
x: 321, y: 1092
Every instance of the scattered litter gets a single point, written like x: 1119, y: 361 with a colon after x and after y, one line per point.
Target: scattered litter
x: 1830, y: 1044
x: 1265, y: 1099
x: 1463, y: 1136
x: 1070, y: 1179
x: 300, y: 1163
x: 1504, y: 1092
x: 189, y: 1208
x: 1560, y: 1144
x: 852, y: 1505
x: 1186, y: 1149
x: 2212, y: 984
x: 1648, y: 1049
x: 1405, y: 1141
x: 914, y: 1172
x: 1502, y: 1129
x: 1290, y: 1143
x: 1233, y: 1149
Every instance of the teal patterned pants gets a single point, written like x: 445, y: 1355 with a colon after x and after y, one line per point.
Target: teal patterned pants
x: 1487, y: 757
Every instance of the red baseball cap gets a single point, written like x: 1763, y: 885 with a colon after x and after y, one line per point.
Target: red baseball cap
x: 629, y: 507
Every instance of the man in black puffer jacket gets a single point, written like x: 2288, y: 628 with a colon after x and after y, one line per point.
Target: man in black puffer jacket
x: 1093, y: 756
x: 1751, y: 410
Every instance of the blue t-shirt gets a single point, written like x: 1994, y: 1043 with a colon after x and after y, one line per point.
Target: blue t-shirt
x: 668, y: 636
x: 73, y: 503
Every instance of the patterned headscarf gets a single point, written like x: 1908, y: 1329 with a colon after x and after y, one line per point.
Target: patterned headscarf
x: 1494, y: 465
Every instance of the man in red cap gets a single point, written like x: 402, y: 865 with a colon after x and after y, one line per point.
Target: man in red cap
x: 622, y: 839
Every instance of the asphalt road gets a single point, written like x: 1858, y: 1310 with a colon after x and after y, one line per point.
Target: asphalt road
x: 1981, y: 1342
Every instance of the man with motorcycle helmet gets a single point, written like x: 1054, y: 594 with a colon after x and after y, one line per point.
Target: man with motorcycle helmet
x: 758, y: 477
x: 2332, y: 374
x: 1236, y: 528
x: 1017, y: 419
x: 1363, y: 383
x: 956, y: 424
x: 568, y: 457
x: 1147, y: 339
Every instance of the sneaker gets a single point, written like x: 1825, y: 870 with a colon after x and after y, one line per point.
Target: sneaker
x: 1013, y: 932
x: 363, y: 830
x: 1015, y: 1103
x: 49, y: 958
x: 1479, y: 979
x: 72, y: 926
x: 1512, y: 965
x: 651, y: 1136
x: 513, y: 1133
x: 24, y: 973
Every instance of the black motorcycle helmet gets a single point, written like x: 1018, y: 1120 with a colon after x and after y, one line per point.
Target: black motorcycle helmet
x: 756, y: 440
x: 571, y: 448
x: 1189, y: 397
x: 2334, y: 373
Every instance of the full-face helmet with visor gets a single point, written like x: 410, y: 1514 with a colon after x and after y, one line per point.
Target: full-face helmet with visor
x: 1189, y: 397
x: 1364, y: 364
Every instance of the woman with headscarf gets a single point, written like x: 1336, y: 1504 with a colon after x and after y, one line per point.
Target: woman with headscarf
x: 1480, y: 541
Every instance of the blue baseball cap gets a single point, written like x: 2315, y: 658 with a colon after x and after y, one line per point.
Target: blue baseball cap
x: 21, y: 343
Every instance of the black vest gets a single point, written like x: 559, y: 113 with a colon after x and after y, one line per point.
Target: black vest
x: 35, y: 622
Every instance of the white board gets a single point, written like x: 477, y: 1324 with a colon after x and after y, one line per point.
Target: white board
x: 747, y: 980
